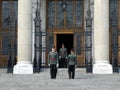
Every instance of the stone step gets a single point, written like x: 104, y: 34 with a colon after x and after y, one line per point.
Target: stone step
x: 42, y: 81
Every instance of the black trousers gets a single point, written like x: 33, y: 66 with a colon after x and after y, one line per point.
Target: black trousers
x: 53, y: 70
x: 71, y: 71
x: 62, y: 63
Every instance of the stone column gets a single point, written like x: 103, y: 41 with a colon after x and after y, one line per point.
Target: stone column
x: 24, y: 49
x: 101, y: 37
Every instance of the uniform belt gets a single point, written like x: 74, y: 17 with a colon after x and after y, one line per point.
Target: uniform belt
x: 52, y: 59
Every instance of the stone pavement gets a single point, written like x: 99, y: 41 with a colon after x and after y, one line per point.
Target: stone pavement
x: 42, y: 81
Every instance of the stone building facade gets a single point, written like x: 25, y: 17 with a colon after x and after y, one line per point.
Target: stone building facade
x: 91, y: 27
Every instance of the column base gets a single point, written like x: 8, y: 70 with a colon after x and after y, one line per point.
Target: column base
x: 102, y: 68
x: 23, y: 67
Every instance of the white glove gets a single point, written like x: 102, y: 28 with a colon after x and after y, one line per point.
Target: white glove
x: 59, y: 56
x: 57, y: 65
x: 67, y: 66
x: 75, y: 66
x: 48, y: 64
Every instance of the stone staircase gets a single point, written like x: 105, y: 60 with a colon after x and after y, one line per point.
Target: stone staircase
x: 42, y: 81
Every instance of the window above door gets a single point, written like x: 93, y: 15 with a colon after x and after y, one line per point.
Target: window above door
x: 64, y: 13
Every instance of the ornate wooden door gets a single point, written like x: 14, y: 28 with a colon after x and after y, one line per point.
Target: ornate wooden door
x: 8, y: 30
x: 115, y: 33
x: 67, y: 16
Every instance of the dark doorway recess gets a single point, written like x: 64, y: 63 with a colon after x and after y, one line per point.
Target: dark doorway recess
x: 67, y: 39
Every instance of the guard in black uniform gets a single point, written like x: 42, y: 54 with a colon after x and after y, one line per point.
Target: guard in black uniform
x: 62, y: 57
x: 72, y: 62
x: 53, y: 62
